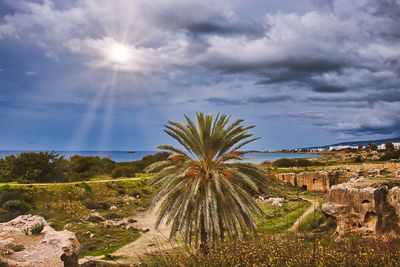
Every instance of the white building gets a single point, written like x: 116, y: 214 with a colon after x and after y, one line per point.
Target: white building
x: 381, y: 147
x: 341, y: 147
x: 396, y: 145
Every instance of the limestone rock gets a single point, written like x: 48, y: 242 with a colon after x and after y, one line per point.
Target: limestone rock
x: 113, y: 208
x: 364, y: 209
x: 49, y: 248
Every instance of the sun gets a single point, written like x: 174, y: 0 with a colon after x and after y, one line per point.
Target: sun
x: 119, y: 53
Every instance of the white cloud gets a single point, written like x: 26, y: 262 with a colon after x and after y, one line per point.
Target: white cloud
x: 30, y: 73
x: 103, y: 53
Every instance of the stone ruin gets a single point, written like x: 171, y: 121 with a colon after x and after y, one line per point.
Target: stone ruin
x: 365, y: 207
x: 318, y: 180
x: 50, y: 248
x: 329, y: 176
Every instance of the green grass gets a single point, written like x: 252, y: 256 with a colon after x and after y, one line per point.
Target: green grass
x: 278, y: 220
x: 105, y: 240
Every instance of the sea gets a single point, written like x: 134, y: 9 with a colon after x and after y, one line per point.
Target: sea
x: 124, y: 156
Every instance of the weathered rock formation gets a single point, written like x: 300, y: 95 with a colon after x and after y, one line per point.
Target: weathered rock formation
x: 318, y: 180
x: 49, y: 248
x: 365, y: 207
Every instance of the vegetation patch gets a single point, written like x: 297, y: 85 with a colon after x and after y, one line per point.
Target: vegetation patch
x: 279, y: 219
x: 49, y: 167
x: 287, y: 250
x: 98, y: 240
x: 70, y: 207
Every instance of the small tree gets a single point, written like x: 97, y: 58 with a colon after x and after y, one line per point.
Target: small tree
x: 372, y: 146
x: 389, y: 147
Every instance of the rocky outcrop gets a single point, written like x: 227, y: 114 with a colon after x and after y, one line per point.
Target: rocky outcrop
x: 52, y: 248
x: 364, y: 207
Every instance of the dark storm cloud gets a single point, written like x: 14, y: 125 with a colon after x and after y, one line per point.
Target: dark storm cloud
x: 290, y: 68
x: 224, y: 27
x: 389, y: 128
x: 269, y: 99
x: 386, y: 8
x: 326, y: 88
x: 390, y: 96
x: 249, y: 100
x: 224, y: 101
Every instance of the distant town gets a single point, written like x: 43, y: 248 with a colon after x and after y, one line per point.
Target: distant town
x: 380, y: 145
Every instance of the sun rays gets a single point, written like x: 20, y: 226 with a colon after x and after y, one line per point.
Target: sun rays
x: 118, y: 53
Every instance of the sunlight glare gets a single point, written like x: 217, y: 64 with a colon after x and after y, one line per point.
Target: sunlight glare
x: 119, y: 53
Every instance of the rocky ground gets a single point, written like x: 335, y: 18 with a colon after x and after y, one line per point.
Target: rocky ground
x: 20, y: 246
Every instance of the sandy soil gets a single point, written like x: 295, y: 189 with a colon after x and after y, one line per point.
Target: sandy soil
x: 148, y: 242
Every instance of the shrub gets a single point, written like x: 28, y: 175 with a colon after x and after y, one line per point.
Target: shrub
x: 285, y: 163
x: 95, y: 205
x: 34, y: 167
x: 37, y: 228
x: 26, y: 231
x: 124, y: 171
x: 358, y: 159
x: 112, y: 216
x: 17, y: 248
x: 86, y: 187
x: 390, y: 155
x: 95, y: 219
x: 15, y: 206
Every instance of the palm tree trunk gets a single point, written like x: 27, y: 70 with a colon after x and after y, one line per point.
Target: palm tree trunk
x: 203, y: 238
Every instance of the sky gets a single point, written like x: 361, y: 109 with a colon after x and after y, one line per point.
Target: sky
x: 107, y: 75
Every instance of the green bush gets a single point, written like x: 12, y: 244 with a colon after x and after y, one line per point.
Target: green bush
x: 95, y: 205
x: 112, y: 216
x: 285, y: 163
x: 124, y: 171
x: 37, y: 228
x: 33, y: 167
x: 95, y: 219
x: 16, y: 206
x: 17, y: 248
x: 37, y: 167
x: 390, y: 155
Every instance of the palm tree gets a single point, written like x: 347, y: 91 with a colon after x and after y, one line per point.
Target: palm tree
x: 205, y: 192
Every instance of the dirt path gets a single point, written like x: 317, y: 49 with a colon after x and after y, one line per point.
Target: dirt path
x: 310, y: 210
x: 148, y: 242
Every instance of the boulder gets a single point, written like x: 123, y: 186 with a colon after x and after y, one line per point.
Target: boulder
x: 95, y: 218
x: 48, y: 248
x: 275, y: 201
x: 113, y: 208
x: 362, y: 208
